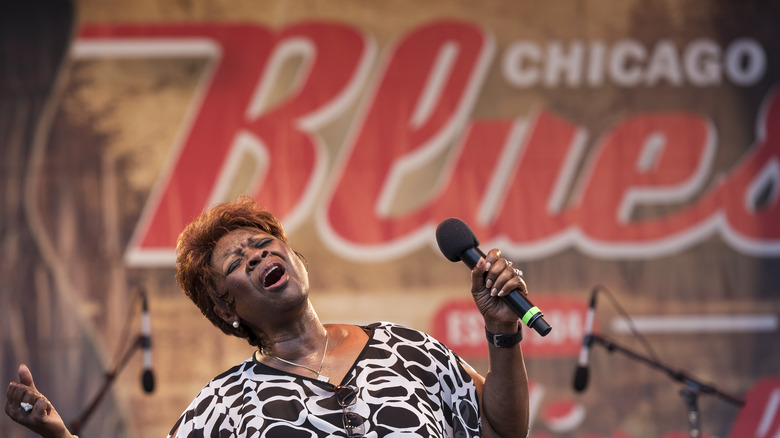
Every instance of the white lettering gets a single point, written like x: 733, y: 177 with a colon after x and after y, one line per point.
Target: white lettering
x: 664, y: 65
x: 568, y: 328
x: 745, y: 62
x: 598, y: 52
x: 625, y: 63
x: 465, y: 329
x: 701, y: 63
x: 563, y: 62
x: 514, y: 66
x: 630, y: 63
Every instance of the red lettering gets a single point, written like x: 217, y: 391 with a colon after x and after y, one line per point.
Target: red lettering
x: 470, y: 176
x: 640, y: 194
x: 459, y: 325
x: 235, y: 117
x: 563, y: 415
x: 332, y: 77
x: 184, y: 189
x: 421, y: 102
x: 533, y: 209
x: 760, y: 417
x: 648, y: 161
x: 751, y: 192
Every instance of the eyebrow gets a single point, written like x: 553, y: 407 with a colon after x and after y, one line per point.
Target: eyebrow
x: 250, y: 241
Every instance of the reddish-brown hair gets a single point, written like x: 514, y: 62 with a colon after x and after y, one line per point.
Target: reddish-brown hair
x: 194, y: 273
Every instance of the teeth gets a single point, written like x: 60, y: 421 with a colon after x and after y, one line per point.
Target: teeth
x: 267, y: 281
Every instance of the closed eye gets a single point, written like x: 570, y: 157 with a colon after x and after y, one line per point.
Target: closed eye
x: 254, y: 242
x: 233, y: 266
x: 261, y: 243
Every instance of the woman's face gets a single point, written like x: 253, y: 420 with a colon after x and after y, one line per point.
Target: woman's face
x: 261, y: 273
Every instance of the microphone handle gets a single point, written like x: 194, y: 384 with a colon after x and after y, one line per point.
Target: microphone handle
x: 524, y: 308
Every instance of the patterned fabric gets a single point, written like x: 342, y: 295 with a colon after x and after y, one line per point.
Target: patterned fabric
x: 408, y: 384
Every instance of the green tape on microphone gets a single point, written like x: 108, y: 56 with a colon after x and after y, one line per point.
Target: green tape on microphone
x: 530, y: 314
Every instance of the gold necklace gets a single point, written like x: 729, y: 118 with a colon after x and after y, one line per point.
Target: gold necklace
x: 320, y: 377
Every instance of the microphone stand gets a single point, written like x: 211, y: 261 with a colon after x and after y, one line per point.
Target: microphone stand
x: 690, y: 394
x: 79, y: 422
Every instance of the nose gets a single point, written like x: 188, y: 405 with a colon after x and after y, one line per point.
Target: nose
x: 255, y: 257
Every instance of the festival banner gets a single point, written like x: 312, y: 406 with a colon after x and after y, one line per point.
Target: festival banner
x: 624, y: 155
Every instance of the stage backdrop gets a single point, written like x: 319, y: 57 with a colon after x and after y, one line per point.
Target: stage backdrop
x: 628, y: 150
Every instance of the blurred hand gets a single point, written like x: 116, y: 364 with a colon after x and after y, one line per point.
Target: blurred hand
x: 42, y: 419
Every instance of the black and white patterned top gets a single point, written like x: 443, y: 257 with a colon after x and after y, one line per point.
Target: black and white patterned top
x: 408, y: 384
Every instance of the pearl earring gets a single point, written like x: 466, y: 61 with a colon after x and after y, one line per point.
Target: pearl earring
x: 235, y: 324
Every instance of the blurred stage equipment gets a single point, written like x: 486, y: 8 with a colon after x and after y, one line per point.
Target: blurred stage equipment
x: 582, y: 373
x: 144, y: 342
x: 690, y: 393
x: 147, y: 378
x: 458, y: 243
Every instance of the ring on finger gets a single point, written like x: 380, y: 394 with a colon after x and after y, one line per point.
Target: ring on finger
x: 26, y: 406
x: 518, y: 272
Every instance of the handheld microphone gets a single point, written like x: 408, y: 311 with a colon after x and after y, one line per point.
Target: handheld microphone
x: 147, y: 378
x: 458, y: 243
x: 582, y: 373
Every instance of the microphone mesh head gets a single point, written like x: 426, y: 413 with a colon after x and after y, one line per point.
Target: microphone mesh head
x: 581, y: 375
x: 147, y: 381
x: 454, y: 237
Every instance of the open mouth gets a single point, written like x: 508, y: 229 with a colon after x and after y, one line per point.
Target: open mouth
x: 273, y: 276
